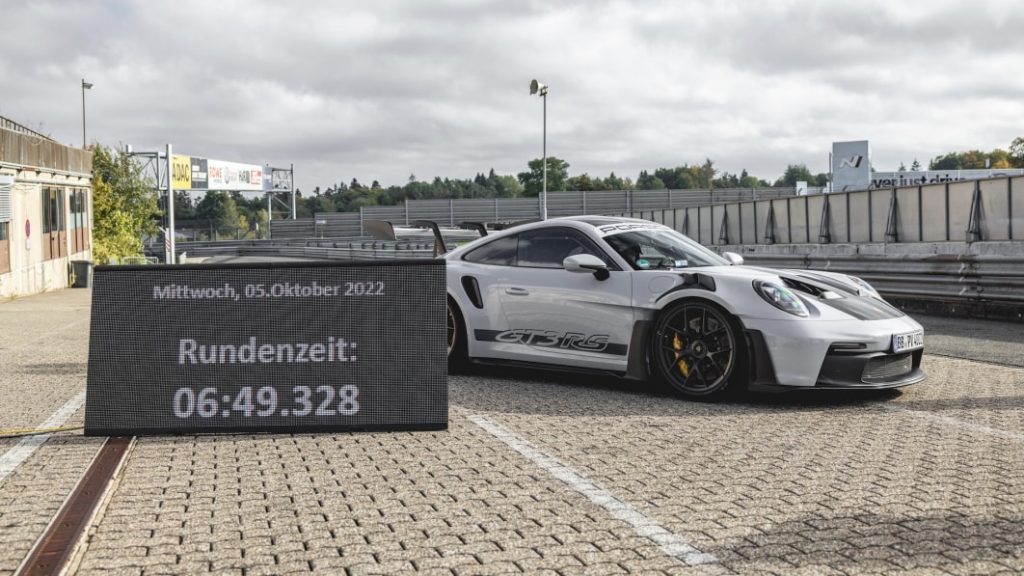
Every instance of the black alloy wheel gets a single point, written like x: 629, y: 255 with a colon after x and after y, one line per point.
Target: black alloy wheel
x: 695, y: 349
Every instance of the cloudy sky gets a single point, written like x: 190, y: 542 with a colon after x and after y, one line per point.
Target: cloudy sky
x: 385, y: 89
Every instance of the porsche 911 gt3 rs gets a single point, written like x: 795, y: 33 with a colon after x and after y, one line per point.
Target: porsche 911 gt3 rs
x: 641, y: 300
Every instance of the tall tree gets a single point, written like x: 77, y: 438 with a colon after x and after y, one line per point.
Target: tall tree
x: 582, y: 182
x: 558, y: 173
x: 795, y: 173
x: 221, y: 210
x: 1017, y: 151
x: 646, y: 181
x: 124, y: 205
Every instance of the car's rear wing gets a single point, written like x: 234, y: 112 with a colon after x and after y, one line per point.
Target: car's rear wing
x: 385, y: 230
x: 439, y: 246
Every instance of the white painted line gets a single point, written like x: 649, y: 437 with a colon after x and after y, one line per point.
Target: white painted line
x: 27, y: 445
x: 669, y: 542
x: 1005, y: 434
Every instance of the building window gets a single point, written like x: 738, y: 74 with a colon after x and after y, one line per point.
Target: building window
x: 54, y: 234
x: 79, y: 222
x: 5, y: 247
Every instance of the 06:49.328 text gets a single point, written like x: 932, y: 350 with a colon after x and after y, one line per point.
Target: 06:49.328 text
x: 265, y: 401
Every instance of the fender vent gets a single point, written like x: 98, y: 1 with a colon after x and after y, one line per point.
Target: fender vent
x: 472, y: 288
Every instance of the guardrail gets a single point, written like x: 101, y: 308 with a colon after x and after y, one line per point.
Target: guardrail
x: 359, y: 249
x: 954, y: 278
x: 980, y: 278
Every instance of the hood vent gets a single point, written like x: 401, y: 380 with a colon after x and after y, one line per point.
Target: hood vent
x: 813, y: 290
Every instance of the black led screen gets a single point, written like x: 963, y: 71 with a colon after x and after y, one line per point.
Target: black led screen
x: 267, y: 348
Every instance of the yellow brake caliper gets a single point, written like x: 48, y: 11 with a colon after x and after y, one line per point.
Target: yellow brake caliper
x: 677, y: 345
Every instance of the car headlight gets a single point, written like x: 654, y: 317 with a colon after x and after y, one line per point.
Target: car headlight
x: 865, y: 289
x: 781, y: 297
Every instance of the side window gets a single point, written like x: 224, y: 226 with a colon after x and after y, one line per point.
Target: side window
x: 548, y: 247
x: 500, y: 252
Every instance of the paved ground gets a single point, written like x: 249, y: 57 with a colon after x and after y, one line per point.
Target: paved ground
x: 543, y: 473
x: 985, y: 340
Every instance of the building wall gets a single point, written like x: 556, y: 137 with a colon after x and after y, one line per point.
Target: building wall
x: 30, y: 272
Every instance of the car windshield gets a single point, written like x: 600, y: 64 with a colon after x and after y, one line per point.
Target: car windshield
x: 651, y: 248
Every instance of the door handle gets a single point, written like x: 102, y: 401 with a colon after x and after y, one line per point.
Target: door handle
x: 516, y: 291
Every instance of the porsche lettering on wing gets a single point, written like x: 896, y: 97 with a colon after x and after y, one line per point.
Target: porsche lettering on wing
x: 616, y: 228
x: 551, y: 339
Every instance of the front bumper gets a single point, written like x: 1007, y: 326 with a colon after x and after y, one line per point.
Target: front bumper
x: 870, y: 371
x: 825, y: 355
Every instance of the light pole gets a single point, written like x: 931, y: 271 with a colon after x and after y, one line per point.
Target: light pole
x: 536, y: 87
x: 85, y: 86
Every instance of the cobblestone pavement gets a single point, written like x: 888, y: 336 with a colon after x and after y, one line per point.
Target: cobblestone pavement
x: 544, y: 473
x: 984, y: 340
x: 43, y: 351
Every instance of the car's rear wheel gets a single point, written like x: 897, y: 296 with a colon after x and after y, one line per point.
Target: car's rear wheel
x: 698, y: 350
x: 456, y: 337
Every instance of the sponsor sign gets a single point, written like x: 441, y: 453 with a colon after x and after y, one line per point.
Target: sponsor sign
x: 920, y: 178
x: 281, y: 180
x: 181, y: 172
x: 190, y: 173
x: 251, y: 348
x: 199, y: 178
x: 851, y: 165
x: 234, y: 176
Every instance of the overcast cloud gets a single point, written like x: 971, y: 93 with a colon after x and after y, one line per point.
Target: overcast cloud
x: 384, y: 89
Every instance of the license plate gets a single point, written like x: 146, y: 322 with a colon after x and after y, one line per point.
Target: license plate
x: 907, y: 341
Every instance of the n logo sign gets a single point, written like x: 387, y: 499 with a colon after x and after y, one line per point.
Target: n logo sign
x: 851, y: 162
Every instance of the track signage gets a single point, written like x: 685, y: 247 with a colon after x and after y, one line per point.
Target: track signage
x: 258, y: 348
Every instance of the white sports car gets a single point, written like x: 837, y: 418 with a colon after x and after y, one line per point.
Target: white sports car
x: 638, y: 299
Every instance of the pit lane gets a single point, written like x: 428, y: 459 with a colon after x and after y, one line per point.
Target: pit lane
x: 544, y: 472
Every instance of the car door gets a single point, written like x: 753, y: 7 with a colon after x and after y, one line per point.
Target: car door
x: 481, y: 275
x: 565, y: 317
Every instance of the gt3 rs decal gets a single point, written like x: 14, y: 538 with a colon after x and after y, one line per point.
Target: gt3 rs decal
x: 550, y: 339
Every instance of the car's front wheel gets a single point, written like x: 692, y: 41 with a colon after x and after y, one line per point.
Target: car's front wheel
x: 697, y: 349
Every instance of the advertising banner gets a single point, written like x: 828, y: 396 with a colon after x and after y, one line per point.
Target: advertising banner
x: 199, y: 181
x: 181, y: 172
x: 258, y: 348
x: 234, y: 176
x: 920, y: 178
x: 281, y: 180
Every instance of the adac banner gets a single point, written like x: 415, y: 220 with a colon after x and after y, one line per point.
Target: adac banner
x: 181, y: 172
x: 191, y: 173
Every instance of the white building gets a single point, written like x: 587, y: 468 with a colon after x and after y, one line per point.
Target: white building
x: 45, y: 210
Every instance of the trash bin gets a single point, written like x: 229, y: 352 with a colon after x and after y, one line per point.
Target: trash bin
x: 83, y: 273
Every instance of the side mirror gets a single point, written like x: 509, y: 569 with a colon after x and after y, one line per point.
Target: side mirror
x: 586, y: 263
x: 733, y: 258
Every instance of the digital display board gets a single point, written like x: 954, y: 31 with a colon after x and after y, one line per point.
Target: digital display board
x: 263, y: 347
